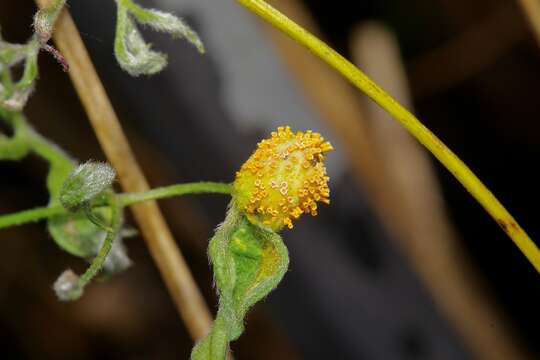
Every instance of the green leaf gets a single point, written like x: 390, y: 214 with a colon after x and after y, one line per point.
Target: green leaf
x: 166, y: 22
x: 132, y: 52
x: 249, y: 262
x: 13, y: 97
x: 69, y: 286
x: 77, y: 235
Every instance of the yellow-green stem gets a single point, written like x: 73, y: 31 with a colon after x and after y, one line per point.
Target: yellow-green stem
x: 464, y: 175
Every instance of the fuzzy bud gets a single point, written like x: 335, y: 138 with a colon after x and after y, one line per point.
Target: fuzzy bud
x: 67, y: 286
x: 45, y: 18
x: 85, y: 183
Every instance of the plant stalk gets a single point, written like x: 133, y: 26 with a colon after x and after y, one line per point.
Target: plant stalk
x: 462, y: 173
x: 128, y: 199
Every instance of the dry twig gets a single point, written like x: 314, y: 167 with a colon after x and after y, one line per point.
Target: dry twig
x: 531, y: 8
x: 155, y: 231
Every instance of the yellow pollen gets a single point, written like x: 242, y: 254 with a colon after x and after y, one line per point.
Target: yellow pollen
x: 284, y: 178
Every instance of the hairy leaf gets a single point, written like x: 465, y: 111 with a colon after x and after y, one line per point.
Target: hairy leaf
x: 249, y: 262
x: 132, y: 52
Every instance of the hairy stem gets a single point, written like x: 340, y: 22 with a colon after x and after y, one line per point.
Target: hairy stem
x: 29, y: 216
x: 175, y: 190
x: 37, y: 214
x: 59, y: 161
x: 450, y: 160
x: 97, y: 263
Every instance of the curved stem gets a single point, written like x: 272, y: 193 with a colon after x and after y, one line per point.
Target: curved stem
x: 37, y: 214
x: 464, y: 175
x: 114, y: 228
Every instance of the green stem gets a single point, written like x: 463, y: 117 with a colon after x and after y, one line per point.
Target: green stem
x: 7, y: 81
x: 175, y: 190
x: 61, y: 165
x: 37, y: 214
x: 29, y: 216
x: 97, y: 263
x: 450, y: 160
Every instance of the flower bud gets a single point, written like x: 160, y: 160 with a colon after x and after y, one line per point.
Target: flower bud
x: 45, y: 18
x: 283, y: 179
x: 86, y: 182
x: 67, y: 286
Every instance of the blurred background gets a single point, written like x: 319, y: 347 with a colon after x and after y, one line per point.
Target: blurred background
x: 402, y: 265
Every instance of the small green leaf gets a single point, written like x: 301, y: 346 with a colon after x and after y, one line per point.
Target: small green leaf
x: 168, y: 23
x: 132, y: 52
x: 79, y: 236
x: 249, y: 262
x: 13, y: 97
x: 76, y: 234
x: 69, y: 286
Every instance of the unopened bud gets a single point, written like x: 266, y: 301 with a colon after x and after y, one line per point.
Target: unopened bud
x: 85, y: 183
x: 67, y: 286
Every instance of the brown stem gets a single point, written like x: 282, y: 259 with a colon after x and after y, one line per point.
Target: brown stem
x: 155, y: 231
x: 531, y: 9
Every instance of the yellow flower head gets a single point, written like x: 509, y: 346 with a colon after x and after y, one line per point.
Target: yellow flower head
x: 283, y: 179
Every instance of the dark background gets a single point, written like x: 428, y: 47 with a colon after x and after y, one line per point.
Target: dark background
x: 350, y: 293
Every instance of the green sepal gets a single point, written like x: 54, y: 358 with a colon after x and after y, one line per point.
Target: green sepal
x: 248, y: 262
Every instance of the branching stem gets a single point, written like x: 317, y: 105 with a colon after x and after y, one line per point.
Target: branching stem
x: 112, y: 233
x: 29, y: 216
x: 41, y: 213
